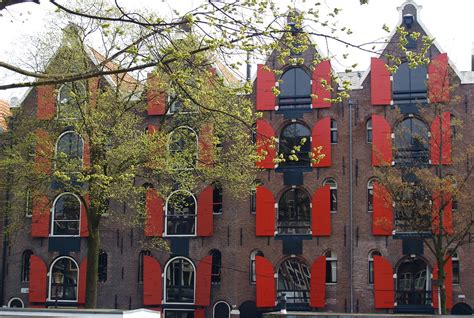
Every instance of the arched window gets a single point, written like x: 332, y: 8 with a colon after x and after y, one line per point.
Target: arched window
x: 63, y: 278
x: 333, y: 193
x: 216, y: 266
x: 25, y: 266
x: 221, y: 309
x: 70, y: 97
x: 183, y: 147
x: 71, y: 145
x: 370, y: 195
x: 295, y: 145
x: 333, y: 131
x: 253, y: 275
x: 66, y: 215
x: 294, y: 213
x: 295, y: 90
x: 140, y: 264
x: 179, y: 285
x: 456, y: 268
x: 411, y: 142
x: 409, y: 85
x: 102, y: 267
x: 368, y: 127
x: 294, y: 280
x: 371, y: 265
x: 217, y: 198
x: 180, y: 214
x: 15, y: 302
x: 331, y: 267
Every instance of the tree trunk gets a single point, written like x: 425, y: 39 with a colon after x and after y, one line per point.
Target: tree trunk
x: 93, y: 244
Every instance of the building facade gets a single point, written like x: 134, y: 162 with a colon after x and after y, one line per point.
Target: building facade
x: 313, y: 233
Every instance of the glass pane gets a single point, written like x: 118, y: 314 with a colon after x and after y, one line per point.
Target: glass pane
x: 71, y: 145
x: 64, y: 280
x: 294, y: 212
x: 295, y: 141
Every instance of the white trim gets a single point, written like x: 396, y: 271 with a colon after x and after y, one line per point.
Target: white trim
x: 15, y: 298
x: 331, y: 187
x: 57, y: 142
x: 197, y: 143
x: 50, y: 277
x: 194, y: 282
x: 214, y: 308
x: 195, y: 215
x: 51, y: 234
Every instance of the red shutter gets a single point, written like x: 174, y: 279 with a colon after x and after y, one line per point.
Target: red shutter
x: 321, y: 214
x: 265, y: 212
x: 43, y: 152
x: 40, y: 216
x: 321, y: 79
x: 448, y: 283
x: 383, y: 283
x: 321, y: 137
x: 152, y: 282
x: 154, y: 213
x: 200, y: 313
x: 205, y: 145
x: 381, y: 142
x: 265, y: 282
x: 86, y: 156
x: 438, y: 79
x: 156, y: 97
x: 447, y: 213
x: 205, y: 226
x: 38, y: 279
x: 84, y: 231
x: 46, y: 102
x: 81, y: 289
x: 203, y: 282
x: 265, y: 98
x: 382, y: 215
x: 152, y: 129
x: 318, y: 283
x: 441, y: 144
x: 265, y: 144
x: 380, y: 84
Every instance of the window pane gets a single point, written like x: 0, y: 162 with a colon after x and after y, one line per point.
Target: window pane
x: 294, y: 212
x: 67, y: 210
x: 180, y: 281
x: 181, y: 214
x: 64, y: 280
x: 295, y: 141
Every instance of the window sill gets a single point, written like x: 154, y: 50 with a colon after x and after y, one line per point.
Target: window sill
x: 331, y: 284
x: 295, y: 168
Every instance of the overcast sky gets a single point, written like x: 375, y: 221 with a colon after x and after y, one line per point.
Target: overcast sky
x: 450, y: 22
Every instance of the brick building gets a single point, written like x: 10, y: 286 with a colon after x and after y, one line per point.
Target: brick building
x: 311, y: 231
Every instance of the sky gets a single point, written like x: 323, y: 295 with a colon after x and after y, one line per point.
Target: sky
x: 450, y: 22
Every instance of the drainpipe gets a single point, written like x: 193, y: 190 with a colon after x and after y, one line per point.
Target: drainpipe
x: 351, y: 231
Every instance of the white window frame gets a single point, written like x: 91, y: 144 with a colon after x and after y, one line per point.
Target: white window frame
x: 370, y: 186
x: 197, y: 143
x: 15, y: 298
x: 60, y: 103
x: 50, y: 277
x: 214, y: 308
x: 51, y: 231
x: 371, y: 261
x: 253, y: 267
x: 164, y: 281
x: 333, y: 260
x: 195, y: 215
x: 59, y: 138
x: 455, y: 258
x: 332, y: 186
x: 332, y: 129
x: 367, y: 129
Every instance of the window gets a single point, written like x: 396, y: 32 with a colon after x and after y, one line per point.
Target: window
x: 217, y: 199
x: 411, y: 199
x: 183, y: 146
x: 102, y: 267
x: 456, y: 268
x: 411, y: 142
x: 179, y: 313
x: 70, y: 97
x: 253, y: 201
x: 28, y: 203
x: 368, y: 127
x: 179, y: 275
x: 333, y: 193
x: 253, y: 274
x: 180, y: 214
x: 221, y: 309
x: 140, y: 264
x: 295, y: 145
x: 294, y: 212
x: 15, y: 302
x: 294, y: 281
x: 63, y: 278
x: 453, y: 125
x: 179, y: 103
x: 333, y: 131
x: 454, y: 200
x: 25, y: 266
x: 66, y: 215
x: 331, y: 267
x: 295, y: 90
x: 70, y: 145
x: 370, y: 195
x: 371, y: 265
x: 216, y: 266
x: 409, y: 85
